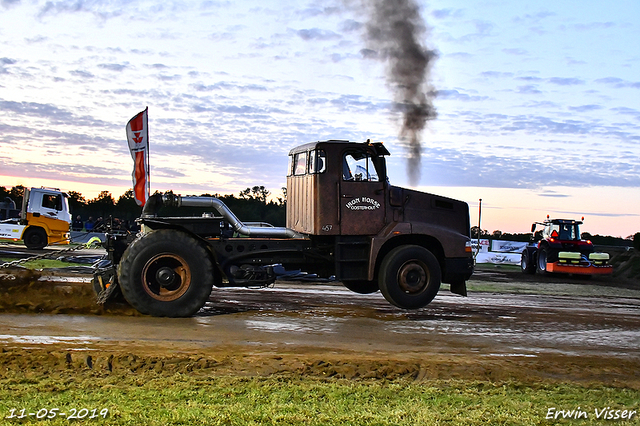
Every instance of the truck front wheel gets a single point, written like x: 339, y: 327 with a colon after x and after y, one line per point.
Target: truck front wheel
x: 35, y: 238
x: 409, y: 277
x: 166, y: 273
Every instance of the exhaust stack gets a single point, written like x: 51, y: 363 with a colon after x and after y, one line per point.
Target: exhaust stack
x: 157, y: 201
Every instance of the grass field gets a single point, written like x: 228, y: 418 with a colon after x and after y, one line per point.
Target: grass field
x: 155, y: 399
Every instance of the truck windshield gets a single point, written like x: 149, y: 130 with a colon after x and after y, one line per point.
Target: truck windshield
x: 358, y: 166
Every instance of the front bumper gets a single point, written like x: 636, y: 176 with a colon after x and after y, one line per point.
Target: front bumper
x: 579, y: 269
x: 457, y: 269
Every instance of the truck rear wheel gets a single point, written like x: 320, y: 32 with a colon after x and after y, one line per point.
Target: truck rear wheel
x: 409, y: 277
x: 35, y: 238
x: 166, y: 273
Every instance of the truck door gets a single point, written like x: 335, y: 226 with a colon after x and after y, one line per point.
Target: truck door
x: 49, y: 206
x: 362, y: 195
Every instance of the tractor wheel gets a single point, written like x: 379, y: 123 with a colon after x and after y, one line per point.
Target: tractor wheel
x: 166, y: 273
x: 409, y: 277
x: 542, y: 261
x: 362, y: 286
x: 35, y: 238
x: 526, y: 263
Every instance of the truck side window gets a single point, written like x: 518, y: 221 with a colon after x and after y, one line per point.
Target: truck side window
x: 317, y: 161
x: 290, y: 168
x: 300, y: 164
x: 359, y: 167
x: 52, y: 201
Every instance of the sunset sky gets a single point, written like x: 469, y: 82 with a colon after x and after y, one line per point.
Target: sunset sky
x: 538, y: 102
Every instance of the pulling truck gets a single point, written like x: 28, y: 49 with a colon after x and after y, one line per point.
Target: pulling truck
x: 343, y: 219
x: 43, y: 219
x: 561, y: 250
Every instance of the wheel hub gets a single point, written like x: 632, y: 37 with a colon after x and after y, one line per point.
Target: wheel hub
x: 412, y: 278
x: 165, y: 276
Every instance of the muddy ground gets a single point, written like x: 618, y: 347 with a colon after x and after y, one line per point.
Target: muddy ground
x: 512, y: 327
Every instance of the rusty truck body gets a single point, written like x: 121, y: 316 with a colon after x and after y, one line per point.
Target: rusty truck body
x: 343, y: 219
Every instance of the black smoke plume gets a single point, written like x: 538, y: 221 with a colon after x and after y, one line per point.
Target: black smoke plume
x: 394, y: 31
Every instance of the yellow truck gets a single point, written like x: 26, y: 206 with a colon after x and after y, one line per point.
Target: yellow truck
x: 43, y: 220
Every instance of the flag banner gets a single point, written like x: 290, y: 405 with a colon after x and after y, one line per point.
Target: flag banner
x: 138, y: 138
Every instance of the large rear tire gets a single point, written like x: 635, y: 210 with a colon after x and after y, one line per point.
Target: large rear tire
x: 409, y: 277
x: 166, y: 273
x: 35, y: 238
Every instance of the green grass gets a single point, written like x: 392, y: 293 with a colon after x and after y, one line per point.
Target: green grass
x: 187, y: 400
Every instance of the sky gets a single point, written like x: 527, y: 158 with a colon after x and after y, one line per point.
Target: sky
x: 538, y: 106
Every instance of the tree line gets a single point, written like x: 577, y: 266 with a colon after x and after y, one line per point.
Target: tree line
x: 251, y: 205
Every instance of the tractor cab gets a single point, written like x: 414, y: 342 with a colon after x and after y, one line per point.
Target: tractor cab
x: 564, y: 230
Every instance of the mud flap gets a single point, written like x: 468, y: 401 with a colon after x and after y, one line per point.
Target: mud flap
x: 458, y: 287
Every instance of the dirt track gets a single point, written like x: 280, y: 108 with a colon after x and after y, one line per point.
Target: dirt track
x: 571, y: 333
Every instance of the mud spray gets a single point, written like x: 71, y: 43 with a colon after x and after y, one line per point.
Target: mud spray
x: 393, y: 34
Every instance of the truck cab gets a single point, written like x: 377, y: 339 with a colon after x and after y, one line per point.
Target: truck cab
x: 341, y: 189
x: 337, y: 188
x: 43, y: 220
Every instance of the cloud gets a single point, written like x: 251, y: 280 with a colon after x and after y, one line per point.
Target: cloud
x: 313, y: 12
x: 529, y: 89
x: 82, y: 74
x: 98, y: 8
x: 553, y: 194
x: 54, y: 114
x: 619, y: 83
x: 594, y: 26
x: 4, y: 62
x: 225, y: 85
x: 9, y: 3
x: 447, y: 13
x: 451, y: 167
x: 317, y: 34
x: 530, y: 78
x: 515, y: 51
x: 458, y: 96
x: 565, y: 81
x: 586, y: 108
x: 114, y: 67
x: 496, y: 74
x: 535, y: 17
x: 350, y: 25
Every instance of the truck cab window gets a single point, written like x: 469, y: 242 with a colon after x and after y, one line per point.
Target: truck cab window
x: 317, y: 161
x: 52, y: 201
x: 300, y: 164
x: 358, y: 166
